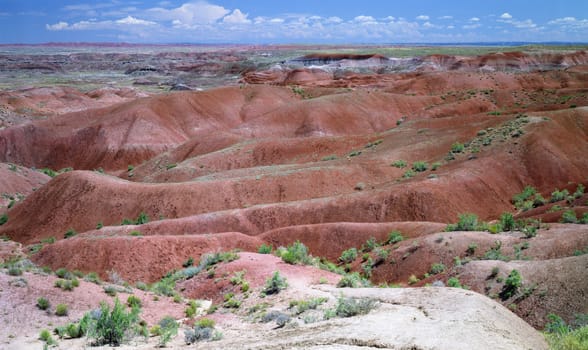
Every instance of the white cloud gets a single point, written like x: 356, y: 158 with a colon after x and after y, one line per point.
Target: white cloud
x: 506, y: 15
x: 57, y: 26
x: 428, y: 25
x: 277, y: 20
x: 189, y: 14
x: 451, y: 27
x: 570, y: 23
x: 474, y: 19
x: 364, y: 19
x: 334, y: 19
x: 237, y: 17
x: 390, y: 18
x: 445, y: 17
x: 130, y: 20
x: 423, y: 18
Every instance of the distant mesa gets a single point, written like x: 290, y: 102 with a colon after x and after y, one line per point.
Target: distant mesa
x: 318, y: 59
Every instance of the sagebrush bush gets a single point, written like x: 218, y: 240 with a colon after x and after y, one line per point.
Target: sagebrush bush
x: 352, y: 280
x: 275, y: 284
x: 420, y: 166
x: 348, y: 307
x: 133, y: 301
x: 61, y: 310
x: 112, y: 327
x: 297, y: 253
x: 511, y: 285
x: 43, y: 303
x: 394, y: 237
x: 168, y: 330
x: 437, y: 268
x: 265, y: 249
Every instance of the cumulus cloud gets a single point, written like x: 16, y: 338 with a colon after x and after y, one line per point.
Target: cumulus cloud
x: 446, y: 17
x: 570, y: 23
x: 237, y: 17
x: 423, y: 18
x: 57, y: 26
x: 474, y: 19
x: 364, y: 19
x: 135, y: 21
x: 189, y: 14
x: 506, y: 15
x: 471, y: 26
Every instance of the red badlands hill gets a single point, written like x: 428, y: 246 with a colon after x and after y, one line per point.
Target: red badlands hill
x: 334, y: 168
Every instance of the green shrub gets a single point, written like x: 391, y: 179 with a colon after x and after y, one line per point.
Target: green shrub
x: 437, y: 268
x: 471, y: 248
x: 558, y: 195
x: 168, y: 330
x: 70, y: 233
x: 61, y: 310
x: 136, y: 233
x: 369, y: 245
x: 63, y: 273
x: 457, y: 147
x: 193, y: 306
x: 188, y: 263
x: 111, y: 327
x: 348, y: 307
x: 408, y: 174
x: 507, y: 221
x: 584, y: 219
x: 420, y: 166
x: 203, y: 330
x: 352, y: 280
x: 43, y: 303
x: 495, y: 253
x: 297, y: 253
x: 274, y: 284
x: 265, y: 249
x: 454, y: 282
x: 527, y: 193
x: 569, y: 217
x: 45, y: 336
x: 74, y: 330
x: 92, y: 277
x: 394, y: 237
x: 466, y: 222
x: 304, y: 305
x: 399, y: 164
x: 579, y: 191
x: 412, y: 279
x: 511, y: 285
x: 99, y: 225
x: 14, y: 271
x: 134, y: 302
x: 348, y: 256
x: 143, y: 218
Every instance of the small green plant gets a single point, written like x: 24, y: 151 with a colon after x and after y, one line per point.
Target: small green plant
x: 420, y: 166
x: 354, y: 153
x: 471, y: 248
x: 454, y: 282
x: 408, y: 174
x: 466, y: 222
x: 507, y: 221
x: 274, y: 284
x: 14, y: 271
x: 203, y: 330
x: 265, y: 249
x: 437, y: 268
x: 70, y: 233
x: 297, y: 253
x: 111, y: 327
x: 399, y: 164
x: 170, y: 166
x: 511, y: 285
x: 412, y: 279
x: 579, y: 191
x: 43, y: 303
x: 558, y: 195
x: 133, y: 301
x: 369, y: 245
x: 457, y: 147
x: 99, y: 225
x: 193, y: 306
x: 136, y: 233
x: 168, y: 329
x: 61, y: 310
x: 45, y: 336
x: 92, y: 277
x: 435, y: 166
x: 3, y: 219
x: 569, y: 217
x: 495, y: 253
x: 394, y: 237
x: 352, y: 280
x: 188, y: 263
x: 349, y: 307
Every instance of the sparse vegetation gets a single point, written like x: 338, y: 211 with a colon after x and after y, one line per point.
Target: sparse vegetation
x: 168, y: 329
x: 112, y: 326
x: 457, y: 147
x: 70, y: 233
x: 274, y: 284
x: 399, y: 164
x: 394, y: 237
x: 348, y: 255
x: 43, y: 303
x: 511, y: 285
x: 437, y: 268
x: 349, y: 307
x: 3, y: 219
x: 420, y: 166
x: 203, y: 330
x: 467, y: 222
x: 353, y: 280
x: 61, y: 310
x: 265, y: 249
x: 297, y: 253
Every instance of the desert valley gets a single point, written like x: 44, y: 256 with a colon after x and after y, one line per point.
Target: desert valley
x: 293, y: 197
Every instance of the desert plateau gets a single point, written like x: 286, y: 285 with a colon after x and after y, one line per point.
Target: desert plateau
x: 292, y: 196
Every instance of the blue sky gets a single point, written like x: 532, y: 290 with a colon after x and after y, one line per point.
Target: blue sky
x: 293, y: 21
